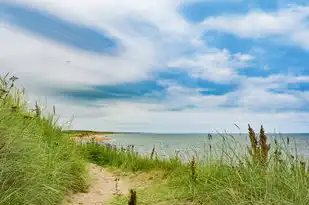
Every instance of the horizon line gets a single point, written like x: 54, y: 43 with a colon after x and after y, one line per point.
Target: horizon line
x: 174, y: 133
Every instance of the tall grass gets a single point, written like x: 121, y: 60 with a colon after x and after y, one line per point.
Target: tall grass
x: 260, y: 175
x: 38, y: 164
x: 125, y: 158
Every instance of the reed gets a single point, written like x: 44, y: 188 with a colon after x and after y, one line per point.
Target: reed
x: 259, y: 149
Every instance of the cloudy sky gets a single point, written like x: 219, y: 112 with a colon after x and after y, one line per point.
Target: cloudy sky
x: 162, y: 65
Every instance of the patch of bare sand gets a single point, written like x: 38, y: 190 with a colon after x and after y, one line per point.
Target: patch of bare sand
x: 104, y: 186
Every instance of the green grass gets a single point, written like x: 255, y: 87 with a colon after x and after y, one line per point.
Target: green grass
x: 39, y: 164
x: 261, y: 176
x: 125, y: 159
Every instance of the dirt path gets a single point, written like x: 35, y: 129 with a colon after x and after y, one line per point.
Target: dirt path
x: 104, y: 186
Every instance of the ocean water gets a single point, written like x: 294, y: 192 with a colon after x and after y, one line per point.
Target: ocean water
x: 200, y: 145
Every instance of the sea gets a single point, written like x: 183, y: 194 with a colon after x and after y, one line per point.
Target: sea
x: 200, y: 146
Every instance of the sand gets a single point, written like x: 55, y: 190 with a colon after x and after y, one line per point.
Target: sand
x: 104, y: 186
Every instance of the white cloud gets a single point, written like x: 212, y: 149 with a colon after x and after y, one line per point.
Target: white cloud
x: 290, y: 23
x: 214, y: 65
x: 300, y: 38
x: 43, y: 62
x: 161, y: 13
x: 243, y: 57
x: 148, y: 116
x: 134, y: 116
x: 151, y: 116
x: 256, y: 94
x: 258, y: 23
x: 275, y: 80
x: 139, y: 53
x: 179, y: 97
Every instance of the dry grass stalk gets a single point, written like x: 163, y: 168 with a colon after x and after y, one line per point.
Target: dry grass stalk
x: 259, y: 149
x: 132, y: 200
x: 6, y: 85
x: 37, y: 109
x: 193, y: 168
x: 153, y: 152
x: 264, y: 147
x: 253, y: 140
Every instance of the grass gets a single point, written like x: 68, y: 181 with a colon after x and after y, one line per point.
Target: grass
x: 260, y: 176
x: 38, y: 163
x: 126, y: 158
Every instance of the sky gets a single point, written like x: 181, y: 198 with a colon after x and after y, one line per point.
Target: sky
x: 165, y: 66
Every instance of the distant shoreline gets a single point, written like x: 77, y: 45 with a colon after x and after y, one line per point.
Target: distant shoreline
x: 98, y: 132
x: 153, y: 133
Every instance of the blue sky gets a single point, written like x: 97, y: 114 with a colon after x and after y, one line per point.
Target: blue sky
x: 163, y: 65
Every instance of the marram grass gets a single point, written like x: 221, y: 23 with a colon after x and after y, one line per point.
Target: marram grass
x: 38, y: 164
x: 268, y: 175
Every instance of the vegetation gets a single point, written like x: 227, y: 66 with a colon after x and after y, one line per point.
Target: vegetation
x: 125, y: 158
x: 83, y: 133
x: 261, y: 176
x: 38, y: 163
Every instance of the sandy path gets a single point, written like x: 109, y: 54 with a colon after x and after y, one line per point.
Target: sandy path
x: 103, y: 188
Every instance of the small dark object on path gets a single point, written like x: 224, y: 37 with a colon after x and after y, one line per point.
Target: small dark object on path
x: 132, y: 200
